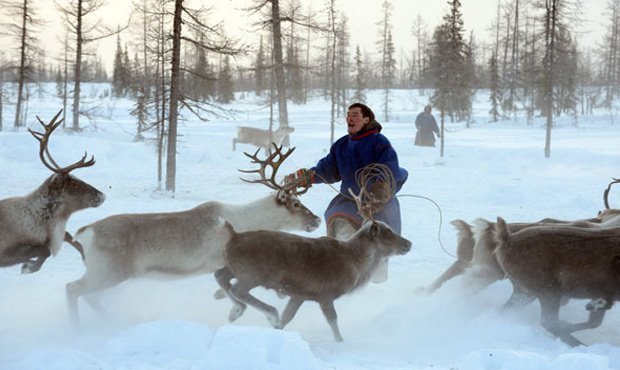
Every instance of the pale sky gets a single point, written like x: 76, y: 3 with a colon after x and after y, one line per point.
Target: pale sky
x: 362, y: 14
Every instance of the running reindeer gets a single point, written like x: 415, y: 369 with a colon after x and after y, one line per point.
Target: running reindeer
x: 33, y: 226
x: 126, y: 246
x: 555, y: 263
x: 476, y: 246
x: 305, y: 269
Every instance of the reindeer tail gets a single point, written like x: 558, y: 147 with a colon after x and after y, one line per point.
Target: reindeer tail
x: 69, y: 239
x: 465, y: 241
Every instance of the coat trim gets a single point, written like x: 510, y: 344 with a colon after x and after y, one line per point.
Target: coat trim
x: 364, y: 134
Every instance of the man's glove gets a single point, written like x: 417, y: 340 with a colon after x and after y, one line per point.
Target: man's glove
x: 379, y: 195
x: 302, y: 178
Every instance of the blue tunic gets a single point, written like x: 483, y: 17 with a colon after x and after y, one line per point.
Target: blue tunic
x: 346, y: 156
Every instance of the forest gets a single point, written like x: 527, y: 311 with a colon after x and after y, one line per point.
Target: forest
x: 174, y: 63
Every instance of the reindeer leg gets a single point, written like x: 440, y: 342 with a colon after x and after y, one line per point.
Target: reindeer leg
x: 332, y: 318
x: 289, y: 312
x: 41, y: 253
x: 19, y: 254
x: 550, y: 320
x: 454, y: 270
x: 85, y: 285
x: 223, y: 277
x: 519, y: 298
x: 241, y: 292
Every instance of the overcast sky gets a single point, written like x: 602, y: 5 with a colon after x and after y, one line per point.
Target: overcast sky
x: 362, y: 14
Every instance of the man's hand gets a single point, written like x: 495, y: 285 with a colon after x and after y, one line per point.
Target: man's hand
x: 302, y: 178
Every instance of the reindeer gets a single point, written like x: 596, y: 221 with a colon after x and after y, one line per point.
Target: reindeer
x: 554, y: 263
x: 33, y: 226
x: 125, y: 246
x: 305, y: 269
x: 261, y: 138
x: 475, y: 247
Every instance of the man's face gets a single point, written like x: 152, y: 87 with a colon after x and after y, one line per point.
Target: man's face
x: 355, y: 121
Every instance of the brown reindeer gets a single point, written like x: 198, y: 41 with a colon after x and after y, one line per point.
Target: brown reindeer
x: 305, y: 269
x: 475, y: 247
x: 32, y: 227
x: 126, y: 246
x: 554, y: 263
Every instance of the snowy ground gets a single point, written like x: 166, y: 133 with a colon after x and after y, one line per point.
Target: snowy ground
x: 488, y: 170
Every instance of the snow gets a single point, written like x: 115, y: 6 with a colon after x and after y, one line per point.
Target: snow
x: 488, y: 170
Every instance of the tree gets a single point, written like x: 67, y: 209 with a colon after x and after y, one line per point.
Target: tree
x: 420, y: 35
x: 260, y: 67
x: 611, y: 52
x: 387, y: 61
x: 494, y: 87
x: 451, y: 66
x: 77, y: 15
x: 275, y: 23
x: 557, y: 14
x: 22, y: 27
x: 120, y: 73
x: 225, y: 89
x: 193, y: 20
x: 359, y: 93
x: 1, y: 91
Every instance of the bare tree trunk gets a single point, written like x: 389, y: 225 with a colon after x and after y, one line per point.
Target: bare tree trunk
x: 612, y: 58
x: 22, y: 66
x: 78, y: 68
x: 551, y: 18
x: 279, y: 66
x: 160, y: 97
x: 514, y: 58
x: 332, y: 75
x: 174, y: 97
x: 65, y: 81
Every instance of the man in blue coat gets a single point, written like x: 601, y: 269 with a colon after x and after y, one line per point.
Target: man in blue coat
x: 363, y: 145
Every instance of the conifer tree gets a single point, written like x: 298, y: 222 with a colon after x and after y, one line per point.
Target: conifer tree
x: 359, y: 93
x: 225, y: 83
x: 494, y: 87
x: 260, y: 75
x: 450, y: 65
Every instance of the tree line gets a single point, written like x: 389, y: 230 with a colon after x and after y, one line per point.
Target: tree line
x: 172, y: 60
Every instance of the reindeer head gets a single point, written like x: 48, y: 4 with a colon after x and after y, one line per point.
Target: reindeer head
x: 285, y: 197
x: 368, y: 203
x: 63, y: 189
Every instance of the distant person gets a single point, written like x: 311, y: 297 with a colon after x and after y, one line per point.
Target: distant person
x: 426, y: 128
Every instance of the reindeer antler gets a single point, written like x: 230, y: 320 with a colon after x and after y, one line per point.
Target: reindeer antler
x: 49, y: 162
x: 274, y: 160
x: 606, y: 192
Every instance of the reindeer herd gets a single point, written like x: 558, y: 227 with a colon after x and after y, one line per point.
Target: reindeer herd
x: 246, y: 246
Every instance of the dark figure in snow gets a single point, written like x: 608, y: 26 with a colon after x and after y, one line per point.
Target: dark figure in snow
x: 426, y: 128
x: 363, y: 145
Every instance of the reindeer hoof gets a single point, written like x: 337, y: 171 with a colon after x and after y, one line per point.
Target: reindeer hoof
x: 219, y: 294
x: 274, y: 320
x: 30, y: 267
x: 236, y: 312
x: 596, y: 305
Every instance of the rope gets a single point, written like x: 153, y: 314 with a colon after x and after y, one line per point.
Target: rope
x: 440, y: 220
x: 391, y: 182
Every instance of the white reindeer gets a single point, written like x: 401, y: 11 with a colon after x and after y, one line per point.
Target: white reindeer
x: 125, y: 246
x: 261, y: 138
